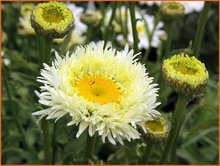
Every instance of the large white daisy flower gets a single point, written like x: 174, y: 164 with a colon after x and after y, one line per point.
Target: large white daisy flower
x: 102, y: 89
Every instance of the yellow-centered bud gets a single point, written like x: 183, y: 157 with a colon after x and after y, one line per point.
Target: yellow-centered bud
x: 52, y: 19
x: 186, y: 75
x: 172, y: 10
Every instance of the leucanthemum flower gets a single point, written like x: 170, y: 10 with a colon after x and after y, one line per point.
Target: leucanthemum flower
x: 186, y: 75
x: 25, y: 27
x: 102, y: 89
x: 52, y: 19
x: 142, y: 31
x: 141, y: 28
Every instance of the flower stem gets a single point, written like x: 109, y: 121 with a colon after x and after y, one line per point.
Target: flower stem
x: 54, y: 143
x: 133, y: 23
x: 89, y: 150
x: 200, y: 30
x: 147, y: 152
x: 106, y: 35
x: 47, y: 142
x: 169, y: 38
x: 177, y: 119
x: 45, y: 51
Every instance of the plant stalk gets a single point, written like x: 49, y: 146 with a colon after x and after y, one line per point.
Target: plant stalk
x: 147, y: 152
x: 133, y: 23
x: 177, y: 119
x: 169, y: 38
x: 90, y: 146
x: 45, y: 45
x: 200, y: 30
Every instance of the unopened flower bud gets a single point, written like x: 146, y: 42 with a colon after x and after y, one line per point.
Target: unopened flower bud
x: 157, y: 129
x: 186, y: 75
x: 91, y: 18
x: 172, y: 10
x: 52, y: 19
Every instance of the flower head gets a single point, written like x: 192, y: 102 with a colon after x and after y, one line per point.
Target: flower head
x: 4, y: 37
x: 91, y: 18
x: 185, y: 74
x: 157, y: 129
x: 26, y: 8
x: 172, y: 10
x: 103, y: 90
x: 52, y: 19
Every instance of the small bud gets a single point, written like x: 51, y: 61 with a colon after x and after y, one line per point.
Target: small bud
x: 186, y: 75
x: 26, y: 8
x: 4, y: 38
x: 157, y: 129
x: 163, y: 37
x: 91, y: 18
x: 52, y: 19
x: 172, y: 10
x: 116, y: 26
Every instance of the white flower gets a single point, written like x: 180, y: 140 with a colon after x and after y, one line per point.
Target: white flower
x: 150, y: 3
x: 5, y: 60
x: 25, y: 23
x: 143, y: 35
x: 142, y: 31
x: 192, y: 6
x: 104, y: 90
x: 77, y: 12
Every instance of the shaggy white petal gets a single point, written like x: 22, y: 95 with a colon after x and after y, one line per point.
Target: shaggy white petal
x: 112, y: 120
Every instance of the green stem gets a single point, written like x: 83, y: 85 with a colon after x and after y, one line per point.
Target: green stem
x: 90, y: 145
x: 133, y: 23
x: 45, y: 45
x: 47, y: 142
x: 147, y: 152
x: 54, y: 143
x: 200, y: 30
x: 150, y: 37
x: 106, y: 35
x: 177, y: 119
x: 169, y: 38
x: 174, y: 148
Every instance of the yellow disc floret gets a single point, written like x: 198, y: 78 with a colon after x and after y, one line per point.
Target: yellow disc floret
x: 52, y: 19
x: 99, y: 89
x: 185, y: 74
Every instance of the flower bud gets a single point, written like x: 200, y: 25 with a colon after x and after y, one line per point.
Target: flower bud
x: 172, y: 10
x: 91, y: 18
x: 157, y: 129
x: 52, y: 19
x: 25, y: 8
x: 4, y: 37
x: 186, y: 75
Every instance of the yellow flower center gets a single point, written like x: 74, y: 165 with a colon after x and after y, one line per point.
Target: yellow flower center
x: 52, y: 16
x: 140, y: 28
x: 99, y: 89
x: 186, y: 70
x: 154, y: 126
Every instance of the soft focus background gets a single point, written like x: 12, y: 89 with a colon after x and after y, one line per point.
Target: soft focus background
x: 22, y: 141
